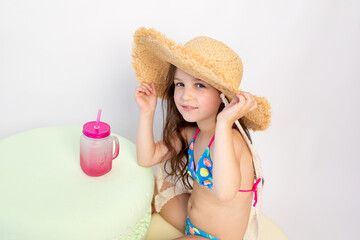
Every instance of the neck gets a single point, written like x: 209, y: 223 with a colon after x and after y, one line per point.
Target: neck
x: 207, y: 128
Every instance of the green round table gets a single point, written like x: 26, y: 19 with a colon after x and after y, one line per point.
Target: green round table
x: 44, y: 194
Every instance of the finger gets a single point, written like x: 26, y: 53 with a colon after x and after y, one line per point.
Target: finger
x: 247, y: 95
x: 242, y: 98
x: 234, y: 101
x: 147, y: 86
x: 143, y: 89
x: 254, y: 106
x: 153, y: 88
x: 139, y: 94
x: 250, y: 102
x: 250, y: 97
x: 139, y: 89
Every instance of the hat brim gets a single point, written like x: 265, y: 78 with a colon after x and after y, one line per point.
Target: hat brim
x: 153, y: 53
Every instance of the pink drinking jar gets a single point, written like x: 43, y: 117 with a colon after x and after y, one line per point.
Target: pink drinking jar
x: 97, y: 148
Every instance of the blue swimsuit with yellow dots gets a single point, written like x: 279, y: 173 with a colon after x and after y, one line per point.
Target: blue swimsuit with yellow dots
x: 203, y: 173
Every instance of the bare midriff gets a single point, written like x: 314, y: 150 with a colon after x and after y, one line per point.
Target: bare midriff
x: 224, y: 220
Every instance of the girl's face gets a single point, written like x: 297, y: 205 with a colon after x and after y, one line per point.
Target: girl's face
x: 195, y: 99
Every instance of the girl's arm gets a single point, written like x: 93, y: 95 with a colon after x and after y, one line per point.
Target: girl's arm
x: 226, y: 170
x: 148, y: 152
x: 145, y: 145
x: 228, y: 146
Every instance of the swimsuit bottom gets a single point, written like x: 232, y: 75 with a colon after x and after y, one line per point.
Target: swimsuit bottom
x: 192, y: 230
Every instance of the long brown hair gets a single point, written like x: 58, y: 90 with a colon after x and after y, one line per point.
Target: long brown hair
x: 173, y: 125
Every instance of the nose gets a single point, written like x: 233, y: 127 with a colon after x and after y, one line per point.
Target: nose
x: 188, y: 94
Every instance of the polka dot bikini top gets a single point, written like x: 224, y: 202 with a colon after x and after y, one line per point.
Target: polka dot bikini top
x: 203, y: 172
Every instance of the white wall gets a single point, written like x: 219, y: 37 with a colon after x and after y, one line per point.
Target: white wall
x: 62, y: 60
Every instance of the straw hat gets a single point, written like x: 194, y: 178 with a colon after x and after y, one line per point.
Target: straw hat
x: 202, y: 57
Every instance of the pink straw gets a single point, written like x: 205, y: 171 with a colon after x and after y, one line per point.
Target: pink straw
x: 98, y: 119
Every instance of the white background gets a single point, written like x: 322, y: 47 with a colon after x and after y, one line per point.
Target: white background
x: 62, y: 60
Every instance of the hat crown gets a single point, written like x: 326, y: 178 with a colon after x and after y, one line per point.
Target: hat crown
x: 222, y: 57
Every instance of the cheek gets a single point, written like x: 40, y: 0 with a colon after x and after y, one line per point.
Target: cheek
x: 176, y: 96
x: 212, y: 102
x: 215, y: 97
x: 216, y: 103
x: 217, y: 100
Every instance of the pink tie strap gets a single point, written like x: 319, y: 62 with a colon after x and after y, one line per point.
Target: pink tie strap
x: 254, y: 189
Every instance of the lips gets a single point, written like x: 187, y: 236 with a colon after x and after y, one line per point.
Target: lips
x: 188, y: 108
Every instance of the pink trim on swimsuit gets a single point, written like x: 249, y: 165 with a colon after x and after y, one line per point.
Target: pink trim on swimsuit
x: 253, y: 189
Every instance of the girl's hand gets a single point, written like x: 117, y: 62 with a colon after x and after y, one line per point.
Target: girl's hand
x: 145, y: 97
x: 239, y: 106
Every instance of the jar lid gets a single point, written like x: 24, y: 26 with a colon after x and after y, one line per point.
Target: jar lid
x: 90, y: 130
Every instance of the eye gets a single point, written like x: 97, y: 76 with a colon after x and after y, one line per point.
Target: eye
x: 199, y: 85
x: 179, y: 84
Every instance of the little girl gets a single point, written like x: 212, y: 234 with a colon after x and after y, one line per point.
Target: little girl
x: 200, y: 139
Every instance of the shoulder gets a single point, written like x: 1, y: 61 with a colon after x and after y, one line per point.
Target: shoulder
x: 188, y: 133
